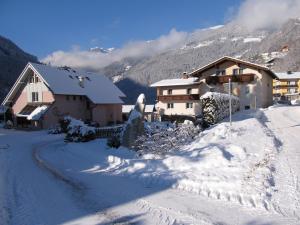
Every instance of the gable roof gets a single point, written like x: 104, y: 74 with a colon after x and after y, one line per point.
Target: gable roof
x: 98, y: 88
x: 176, y: 82
x: 288, y: 75
x: 225, y: 58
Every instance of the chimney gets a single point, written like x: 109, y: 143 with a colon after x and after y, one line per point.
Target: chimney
x: 185, y: 75
x: 81, y: 81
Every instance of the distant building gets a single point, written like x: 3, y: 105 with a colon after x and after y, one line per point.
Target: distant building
x: 251, y: 82
x: 287, y: 85
x: 178, y: 97
x: 149, y: 113
x: 43, y: 94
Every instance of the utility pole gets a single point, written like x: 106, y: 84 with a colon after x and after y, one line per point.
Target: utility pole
x: 230, y: 101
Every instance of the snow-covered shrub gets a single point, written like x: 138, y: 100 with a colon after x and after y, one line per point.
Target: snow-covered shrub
x: 55, y: 130
x: 215, y: 106
x: 159, y: 139
x: 78, y: 131
x: 64, y: 123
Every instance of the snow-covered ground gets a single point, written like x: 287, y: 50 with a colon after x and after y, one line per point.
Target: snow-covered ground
x: 246, y: 174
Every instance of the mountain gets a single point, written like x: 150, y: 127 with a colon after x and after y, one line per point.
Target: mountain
x: 277, y: 48
x: 12, y: 62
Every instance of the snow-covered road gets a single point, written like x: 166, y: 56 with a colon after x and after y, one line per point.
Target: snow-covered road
x: 284, y: 123
x: 64, y: 185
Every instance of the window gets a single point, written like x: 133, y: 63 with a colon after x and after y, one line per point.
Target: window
x: 35, y: 96
x: 169, y: 91
x: 31, y: 79
x: 67, y: 97
x: 189, y: 91
x: 220, y: 72
x: 74, y: 97
x: 189, y: 105
x: 247, y: 107
x: 36, y: 80
x: 170, y: 105
x: 235, y: 71
x: 80, y: 97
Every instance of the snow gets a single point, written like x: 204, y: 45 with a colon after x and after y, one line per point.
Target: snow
x: 127, y: 108
x: 149, y: 108
x: 295, y: 102
x: 37, y: 112
x: 244, y: 174
x: 176, y: 82
x: 286, y: 75
x: 203, y: 44
x: 117, y: 78
x: 252, y: 39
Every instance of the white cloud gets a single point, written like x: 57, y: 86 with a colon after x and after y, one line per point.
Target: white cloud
x: 85, y: 59
x: 270, y: 14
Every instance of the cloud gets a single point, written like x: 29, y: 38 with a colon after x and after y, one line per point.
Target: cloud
x: 267, y: 14
x: 90, y: 60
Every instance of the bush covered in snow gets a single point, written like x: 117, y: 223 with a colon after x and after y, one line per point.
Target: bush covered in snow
x: 78, y: 131
x: 215, y: 106
x: 114, y: 142
x: 160, y: 138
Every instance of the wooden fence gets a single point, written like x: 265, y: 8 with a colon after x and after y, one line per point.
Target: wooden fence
x: 106, y: 132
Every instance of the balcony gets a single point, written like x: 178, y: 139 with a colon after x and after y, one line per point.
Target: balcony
x: 285, y: 86
x: 178, y: 97
x: 242, y: 78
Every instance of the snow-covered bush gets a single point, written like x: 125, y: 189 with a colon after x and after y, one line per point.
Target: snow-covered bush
x: 162, y: 138
x: 55, y: 130
x: 215, y: 106
x: 78, y: 131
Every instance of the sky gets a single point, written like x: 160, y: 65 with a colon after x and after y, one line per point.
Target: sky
x: 42, y: 27
x: 61, y: 32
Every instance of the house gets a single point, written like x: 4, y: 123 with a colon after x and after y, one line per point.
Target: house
x: 43, y: 94
x: 252, y: 83
x: 178, y: 97
x: 287, y: 86
x: 149, y: 113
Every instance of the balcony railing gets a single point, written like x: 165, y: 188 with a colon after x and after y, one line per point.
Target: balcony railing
x: 286, y: 86
x: 241, y: 78
x: 178, y: 97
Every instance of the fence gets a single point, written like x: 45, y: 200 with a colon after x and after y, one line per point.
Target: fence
x: 106, y: 132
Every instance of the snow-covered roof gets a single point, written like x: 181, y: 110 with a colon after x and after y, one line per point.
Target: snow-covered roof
x: 38, y: 112
x: 127, y: 108
x: 149, y: 108
x: 98, y: 88
x: 176, y: 82
x: 288, y: 75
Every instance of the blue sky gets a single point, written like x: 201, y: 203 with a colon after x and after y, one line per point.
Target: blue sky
x: 42, y: 27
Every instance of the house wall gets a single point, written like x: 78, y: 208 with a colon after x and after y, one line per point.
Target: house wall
x: 66, y: 105
x: 260, y: 90
x: 107, y: 113
x: 20, y: 102
x: 179, y: 106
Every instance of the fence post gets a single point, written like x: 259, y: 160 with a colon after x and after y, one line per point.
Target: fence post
x: 230, y: 101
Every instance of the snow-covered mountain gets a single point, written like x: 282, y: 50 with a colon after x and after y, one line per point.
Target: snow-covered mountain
x: 279, y: 48
x: 12, y: 62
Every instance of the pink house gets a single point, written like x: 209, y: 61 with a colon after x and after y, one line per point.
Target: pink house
x: 43, y: 94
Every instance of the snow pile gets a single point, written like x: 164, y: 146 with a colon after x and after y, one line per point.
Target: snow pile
x: 37, y: 112
x: 295, y: 102
x: 215, y: 106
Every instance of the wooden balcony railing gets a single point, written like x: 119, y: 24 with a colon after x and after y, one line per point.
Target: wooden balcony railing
x: 286, y: 86
x: 241, y: 78
x: 178, y: 97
